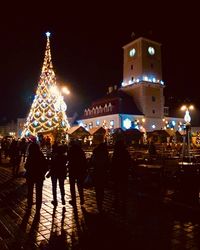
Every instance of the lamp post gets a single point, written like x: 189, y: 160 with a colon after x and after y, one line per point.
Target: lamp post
x: 187, y: 119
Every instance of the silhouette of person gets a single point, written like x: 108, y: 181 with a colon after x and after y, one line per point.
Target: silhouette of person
x: 121, y: 161
x: 58, y: 172
x: 152, y: 149
x: 23, y: 147
x: 36, y: 167
x: 100, y: 164
x: 15, y: 157
x: 77, y: 167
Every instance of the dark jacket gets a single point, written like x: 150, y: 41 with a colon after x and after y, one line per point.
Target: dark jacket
x: 58, y: 166
x: 36, y: 165
x: 77, y: 161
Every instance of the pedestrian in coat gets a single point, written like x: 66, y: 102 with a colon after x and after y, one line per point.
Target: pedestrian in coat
x: 100, y: 163
x: 58, y: 173
x: 77, y: 166
x: 36, y: 167
x: 121, y: 162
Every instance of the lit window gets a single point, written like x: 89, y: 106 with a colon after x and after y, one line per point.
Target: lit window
x: 97, y: 123
x: 112, y: 124
x: 90, y: 125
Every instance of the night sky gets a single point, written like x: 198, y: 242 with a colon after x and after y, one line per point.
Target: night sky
x: 86, y: 46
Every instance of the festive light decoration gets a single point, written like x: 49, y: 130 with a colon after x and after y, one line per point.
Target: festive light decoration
x: 142, y: 79
x: 48, y: 108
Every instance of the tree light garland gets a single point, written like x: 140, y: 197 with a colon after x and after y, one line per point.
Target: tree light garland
x: 44, y: 113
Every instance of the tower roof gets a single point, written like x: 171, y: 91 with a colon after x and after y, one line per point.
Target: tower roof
x: 140, y: 39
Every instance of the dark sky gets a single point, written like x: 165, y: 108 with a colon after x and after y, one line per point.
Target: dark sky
x: 86, y: 45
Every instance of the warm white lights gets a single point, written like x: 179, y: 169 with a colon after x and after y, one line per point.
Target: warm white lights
x: 187, y: 117
x: 48, y: 104
x: 48, y: 34
x: 65, y: 90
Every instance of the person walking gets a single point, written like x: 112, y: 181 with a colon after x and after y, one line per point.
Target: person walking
x: 58, y: 172
x: 36, y: 167
x: 77, y: 166
x: 100, y: 163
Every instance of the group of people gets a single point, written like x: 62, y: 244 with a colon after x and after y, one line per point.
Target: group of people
x: 15, y: 150
x: 71, y: 160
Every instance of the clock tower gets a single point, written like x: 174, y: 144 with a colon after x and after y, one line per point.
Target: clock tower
x: 142, y: 76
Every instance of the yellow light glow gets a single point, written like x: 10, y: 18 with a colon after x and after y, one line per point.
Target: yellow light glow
x: 65, y: 90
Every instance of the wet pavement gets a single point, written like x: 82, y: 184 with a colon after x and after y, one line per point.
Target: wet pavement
x: 149, y: 221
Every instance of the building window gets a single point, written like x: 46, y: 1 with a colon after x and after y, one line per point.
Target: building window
x: 153, y: 111
x: 132, y: 78
x: 153, y: 99
x: 104, y: 124
x: 97, y: 123
x: 112, y: 124
x: 131, y: 67
x: 110, y: 107
x: 166, y: 111
x: 152, y: 66
x: 90, y: 125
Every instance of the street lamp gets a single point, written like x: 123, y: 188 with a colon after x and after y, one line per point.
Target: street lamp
x: 187, y: 119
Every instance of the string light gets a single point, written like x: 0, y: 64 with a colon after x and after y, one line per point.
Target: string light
x: 43, y: 116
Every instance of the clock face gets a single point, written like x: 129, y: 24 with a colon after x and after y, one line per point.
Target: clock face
x: 151, y: 50
x: 132, y: 52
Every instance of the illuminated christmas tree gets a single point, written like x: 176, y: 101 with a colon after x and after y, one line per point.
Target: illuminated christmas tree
x: 48, y: 110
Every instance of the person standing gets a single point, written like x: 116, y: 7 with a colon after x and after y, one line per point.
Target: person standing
x: 77, y: 167
x: 36, y: 167
x: 58, y: 172
x: 15, y: 157
x: 121, y: 162
x: 100, y: 164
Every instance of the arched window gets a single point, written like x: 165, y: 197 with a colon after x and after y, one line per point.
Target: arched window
x: 100, y: 109
x: 110, y: 107
x: 105, y: 108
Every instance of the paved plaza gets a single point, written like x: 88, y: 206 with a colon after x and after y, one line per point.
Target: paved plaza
x: 148, y: 221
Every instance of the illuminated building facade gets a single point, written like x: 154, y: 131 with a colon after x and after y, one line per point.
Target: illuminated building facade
x: 139, y: 102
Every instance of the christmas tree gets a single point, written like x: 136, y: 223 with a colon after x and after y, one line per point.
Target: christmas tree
x: 48, y: 110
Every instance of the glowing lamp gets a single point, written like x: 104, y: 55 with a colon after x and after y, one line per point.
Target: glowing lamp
x: 187, y: 117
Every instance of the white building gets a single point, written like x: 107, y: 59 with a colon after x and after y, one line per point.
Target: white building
x: 139, y: 102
